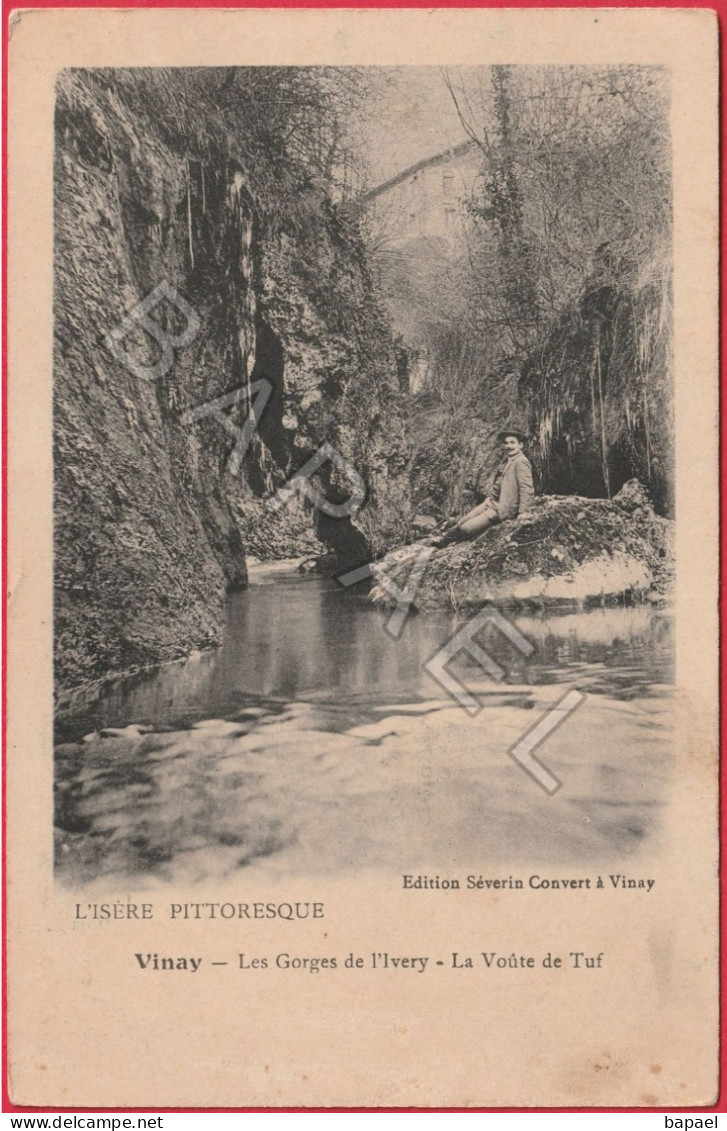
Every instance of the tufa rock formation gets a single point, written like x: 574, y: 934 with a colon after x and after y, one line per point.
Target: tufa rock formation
x: 566, y: 551
x: 158, y: 182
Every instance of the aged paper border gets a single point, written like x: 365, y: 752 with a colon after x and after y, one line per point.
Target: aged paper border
x: 70, y: 989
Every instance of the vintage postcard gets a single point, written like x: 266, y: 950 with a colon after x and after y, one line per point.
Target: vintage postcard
x: 363, y: 521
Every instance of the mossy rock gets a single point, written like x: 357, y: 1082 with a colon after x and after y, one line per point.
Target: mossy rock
x: 567, y: 550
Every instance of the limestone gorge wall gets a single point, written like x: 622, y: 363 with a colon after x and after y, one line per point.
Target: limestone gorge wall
x: 159, y: 180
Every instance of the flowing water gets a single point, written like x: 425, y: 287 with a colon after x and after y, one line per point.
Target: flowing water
x: 313, y: 741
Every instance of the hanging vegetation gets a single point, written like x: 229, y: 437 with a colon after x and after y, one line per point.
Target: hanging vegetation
x: 565, y: 279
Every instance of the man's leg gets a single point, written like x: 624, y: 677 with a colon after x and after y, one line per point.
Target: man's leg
x: 478, y: 520
x: 476, y: 512
x: 472, y: 524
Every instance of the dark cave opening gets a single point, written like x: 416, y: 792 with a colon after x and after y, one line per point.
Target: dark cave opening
x: 270, y: 366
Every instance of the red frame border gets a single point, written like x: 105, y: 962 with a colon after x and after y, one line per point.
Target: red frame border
x: 719, y: 7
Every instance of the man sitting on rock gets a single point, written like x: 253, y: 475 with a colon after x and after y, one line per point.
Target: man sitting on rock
x: 512, y: 493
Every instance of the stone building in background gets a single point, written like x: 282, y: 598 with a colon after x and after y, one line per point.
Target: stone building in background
x: 426, y: 200
x: 416, y: 225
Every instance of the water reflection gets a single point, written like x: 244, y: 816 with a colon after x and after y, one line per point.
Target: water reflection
x: 313, y: 741
x: 290, y: 637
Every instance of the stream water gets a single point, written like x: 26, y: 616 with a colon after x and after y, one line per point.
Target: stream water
x: 313, y: 741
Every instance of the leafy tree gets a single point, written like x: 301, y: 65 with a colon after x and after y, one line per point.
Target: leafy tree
x: 566, y: 274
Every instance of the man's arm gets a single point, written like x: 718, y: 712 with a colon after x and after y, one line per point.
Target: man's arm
x: 526, y: 492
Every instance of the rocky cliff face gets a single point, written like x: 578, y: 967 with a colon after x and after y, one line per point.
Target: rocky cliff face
x: 597, y: 394
x: 151, y: 510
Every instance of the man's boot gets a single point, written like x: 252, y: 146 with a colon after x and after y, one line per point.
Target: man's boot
x: 449, y: 538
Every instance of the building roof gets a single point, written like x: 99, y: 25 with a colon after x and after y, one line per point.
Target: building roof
x: 426, y: 163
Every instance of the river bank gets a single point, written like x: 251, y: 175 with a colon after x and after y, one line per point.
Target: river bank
x: 566, y: 551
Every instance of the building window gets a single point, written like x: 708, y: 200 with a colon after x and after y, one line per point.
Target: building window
x: 448, y: 186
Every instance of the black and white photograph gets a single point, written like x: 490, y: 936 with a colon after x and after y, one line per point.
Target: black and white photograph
x: 363, y: 571
x: 363, y: 468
